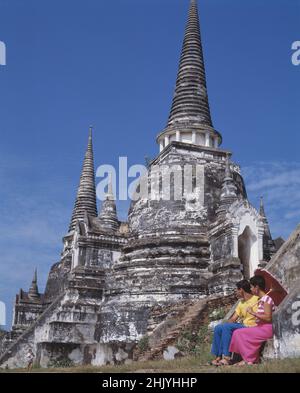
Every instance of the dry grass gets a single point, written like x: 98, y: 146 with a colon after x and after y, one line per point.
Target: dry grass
x: 274, y: 366
x: 183, y: 365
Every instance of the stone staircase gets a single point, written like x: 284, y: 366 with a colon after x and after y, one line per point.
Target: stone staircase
x: 189, y: 319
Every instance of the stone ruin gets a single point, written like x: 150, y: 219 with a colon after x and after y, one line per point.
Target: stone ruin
x: 101, y: 296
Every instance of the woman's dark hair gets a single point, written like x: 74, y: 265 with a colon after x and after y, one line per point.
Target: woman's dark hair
x: 258, y: 281
x: 245, y: 285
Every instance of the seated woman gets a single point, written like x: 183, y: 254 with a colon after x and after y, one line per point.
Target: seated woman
x: 247, y: 342
x: 223, y: 332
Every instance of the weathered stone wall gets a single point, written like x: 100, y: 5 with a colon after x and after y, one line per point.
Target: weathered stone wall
x: 200, y: 207
x: 286, y: 324
x: 122, y: 321
x: 2, y: 341
x: 285, y: 267
x: 285, y: 264
x: 26, y: 313
x: 57, y: 279
x: 221, y: 246
x: 166, y: 265
x: 169, y: 252
x: 53, y: 354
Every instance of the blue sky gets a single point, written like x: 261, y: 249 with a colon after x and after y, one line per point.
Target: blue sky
x: 113, y: 64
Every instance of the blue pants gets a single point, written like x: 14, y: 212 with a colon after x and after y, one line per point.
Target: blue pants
x: 222, y: 338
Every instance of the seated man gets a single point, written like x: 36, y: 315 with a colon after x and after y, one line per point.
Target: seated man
x: 224, y: 331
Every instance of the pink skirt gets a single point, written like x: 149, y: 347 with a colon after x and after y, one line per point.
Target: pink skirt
x: 247, y: 342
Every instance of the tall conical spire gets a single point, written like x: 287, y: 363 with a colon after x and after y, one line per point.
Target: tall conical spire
x: 33, y: 290
x: 190, y: 102
x: 86, y: 195
x: 190, y: 119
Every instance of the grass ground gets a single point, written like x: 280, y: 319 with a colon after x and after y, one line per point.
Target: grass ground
x: 192, y: 364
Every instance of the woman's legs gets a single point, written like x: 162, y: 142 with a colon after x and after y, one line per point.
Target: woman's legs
x: 247, y: 342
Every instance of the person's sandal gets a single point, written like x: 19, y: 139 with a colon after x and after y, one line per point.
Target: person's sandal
x: 224, y: 362
x: 243, y: 363
x: 214, y: 363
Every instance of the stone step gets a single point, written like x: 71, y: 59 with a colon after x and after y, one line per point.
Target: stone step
x: 58, y: 322
x: 188, y: 318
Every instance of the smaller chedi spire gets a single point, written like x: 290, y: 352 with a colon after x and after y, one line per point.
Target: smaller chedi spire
x: 262, y: 207
x: 108, y: 216
x: 86, y: 195
x: 33, y: 290
x: 269, y: 248
x: 110, y: 193
x: 229, y: 190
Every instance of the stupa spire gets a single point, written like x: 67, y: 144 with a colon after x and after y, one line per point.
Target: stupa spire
x: 86, y: 194
x: 262, y: 208
x: 108, y: 216
x: 190, y: 119
x: 33, y: 290
x: 269, y: 248
x: 229, y: 189
x: 110, y: 193
x: 190, y: 102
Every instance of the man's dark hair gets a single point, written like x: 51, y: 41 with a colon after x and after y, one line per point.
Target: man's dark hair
x: 245, y: 285
x: 258, y: 281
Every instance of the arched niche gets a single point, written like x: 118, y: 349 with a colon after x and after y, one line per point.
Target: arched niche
x: 247, y: 252
x: 247, y: 235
